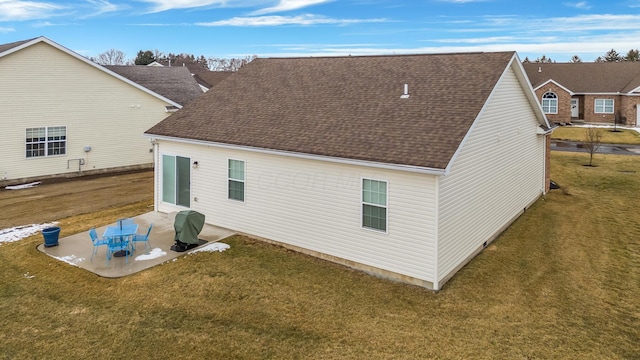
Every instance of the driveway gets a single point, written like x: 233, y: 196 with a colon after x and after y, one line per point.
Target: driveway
x: 576, y: 146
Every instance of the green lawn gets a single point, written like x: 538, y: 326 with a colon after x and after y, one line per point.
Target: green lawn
x: 563, y: 282
x: 622, y: 136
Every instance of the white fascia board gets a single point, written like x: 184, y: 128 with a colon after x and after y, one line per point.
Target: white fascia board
x: 529, y: 92
x: 556, y: 84
x: 379, y: 165
x: 90, y: 63
x: 608, y: 94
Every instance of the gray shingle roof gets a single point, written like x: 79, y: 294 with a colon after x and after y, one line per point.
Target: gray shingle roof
x: 584, y: 78
x: 5, y: 47
x: 174, y: 83
x: 347, y: 107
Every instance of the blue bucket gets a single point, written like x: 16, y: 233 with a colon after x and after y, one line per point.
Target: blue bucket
x: 51, y: 236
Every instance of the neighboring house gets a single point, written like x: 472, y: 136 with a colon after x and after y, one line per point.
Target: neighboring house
x: 175, y: 83
x: 401, y: 166
x: 597, y: 92
x: 205, y: 77
x: 66, y: 116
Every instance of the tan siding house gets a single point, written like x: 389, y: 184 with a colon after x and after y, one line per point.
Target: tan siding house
x: 371, y: 162
x: 66, y: 116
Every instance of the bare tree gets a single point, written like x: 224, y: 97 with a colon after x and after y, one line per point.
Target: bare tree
x: 110, y: 57
x: 592, y: 141
x: 233, y: 64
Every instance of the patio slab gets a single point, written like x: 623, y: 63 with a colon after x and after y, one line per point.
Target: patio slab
x: 76, y: 249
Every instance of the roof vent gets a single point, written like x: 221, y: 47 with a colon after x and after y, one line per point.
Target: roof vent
x: 539, y: 68
x: 405, y: 94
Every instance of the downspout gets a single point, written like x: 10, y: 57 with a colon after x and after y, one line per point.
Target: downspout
x: 436, y: 279
x: 156, y: 166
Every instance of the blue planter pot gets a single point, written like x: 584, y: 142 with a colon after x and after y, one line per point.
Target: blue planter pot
x: 50, y: 235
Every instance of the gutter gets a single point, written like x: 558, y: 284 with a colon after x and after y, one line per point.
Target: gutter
x: 374, y: 164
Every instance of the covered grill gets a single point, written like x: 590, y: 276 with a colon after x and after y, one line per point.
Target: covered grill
x: 187, y: 224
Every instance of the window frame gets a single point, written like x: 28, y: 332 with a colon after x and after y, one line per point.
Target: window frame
x: 549, y: 104
x: 51, y: 142
x: 364, y: 204
x: 234, y: 180
x: 603, y: 107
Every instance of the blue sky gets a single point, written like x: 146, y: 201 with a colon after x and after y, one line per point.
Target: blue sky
x: 277, y: 28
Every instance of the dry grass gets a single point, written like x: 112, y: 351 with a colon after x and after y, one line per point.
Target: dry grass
x: 622, y: 136
x: 562, y: 282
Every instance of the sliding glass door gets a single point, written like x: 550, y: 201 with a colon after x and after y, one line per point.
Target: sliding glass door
x: 176, y: 180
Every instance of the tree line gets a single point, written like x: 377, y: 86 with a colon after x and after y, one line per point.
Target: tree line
x: 146, y: 57
x: 610, y: 56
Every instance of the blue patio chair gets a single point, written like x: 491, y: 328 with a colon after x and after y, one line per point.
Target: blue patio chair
x: 126, y: 221
x: 143, y: 238
x: 97, y: 241
x: 119, y: 243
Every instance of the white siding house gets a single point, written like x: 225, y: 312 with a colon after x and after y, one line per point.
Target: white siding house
x: 295, y: 163
x: 64, y: 115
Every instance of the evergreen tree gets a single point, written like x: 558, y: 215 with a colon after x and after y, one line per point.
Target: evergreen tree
x: 144, y: 57
x: 575, y: 59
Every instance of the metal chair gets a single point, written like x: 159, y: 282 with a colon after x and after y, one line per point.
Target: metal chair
x: 97, y: 241
x: 143, y: 238
x: 119, y: 243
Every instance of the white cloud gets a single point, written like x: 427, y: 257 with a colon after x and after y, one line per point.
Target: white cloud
x: 307, y: 19
x: 579, y: 5
x: 103, y: 7
x: 164, y: 5
x: 288, y: 5
x: 5, y: 30
x: 18, y: 10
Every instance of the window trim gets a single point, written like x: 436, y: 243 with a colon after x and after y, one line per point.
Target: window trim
x: 385, y: 206
x: 46, y: 148
x: 604, y: 106
x: 549, y: 102
x: 243, y: 181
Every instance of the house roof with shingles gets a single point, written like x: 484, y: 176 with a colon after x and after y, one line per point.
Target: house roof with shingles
x: 175, y: 83
x: 348, y: 107
x: 203, y: 76
x: 5, y: 47
x: 587, y: 78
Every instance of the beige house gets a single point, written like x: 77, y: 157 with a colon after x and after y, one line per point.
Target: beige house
x: 596, y: 92
x: 405, y: 167
x: 64, y: 115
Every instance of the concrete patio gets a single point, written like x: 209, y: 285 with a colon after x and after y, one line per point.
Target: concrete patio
x: 76, y: 249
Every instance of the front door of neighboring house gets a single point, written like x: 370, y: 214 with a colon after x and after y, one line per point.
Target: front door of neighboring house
x: 637, y: 114
x: 575, y: 108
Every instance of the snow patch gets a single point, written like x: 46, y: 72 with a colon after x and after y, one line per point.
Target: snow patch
x: 20, y: 232
x: 216, y: 246
x: 154, y: 254
x: 23, y: 186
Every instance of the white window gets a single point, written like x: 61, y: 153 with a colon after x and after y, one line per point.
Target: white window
x: 46, y: 141
x: 176, y: 180
x: 550, y: 103
x: 236, y: 180
x: 374, y: 204
x: 604, y: 106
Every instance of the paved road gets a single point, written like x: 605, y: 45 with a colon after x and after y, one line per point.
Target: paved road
x: 575, y: 146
